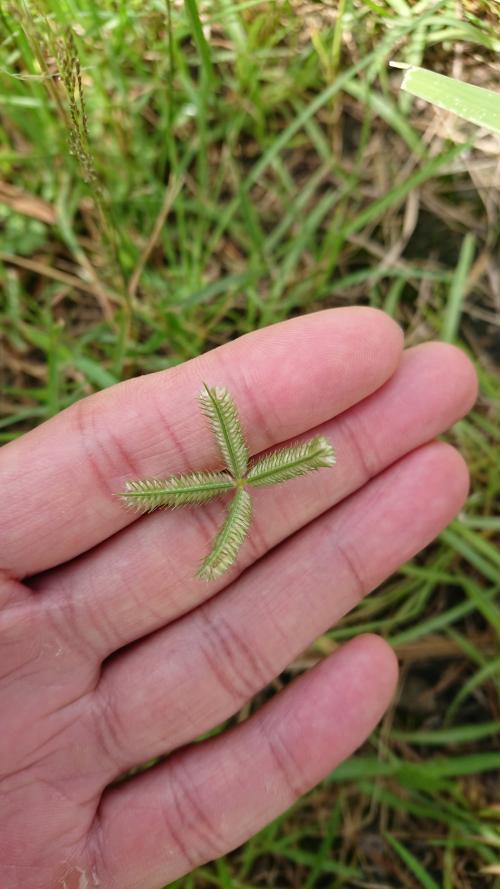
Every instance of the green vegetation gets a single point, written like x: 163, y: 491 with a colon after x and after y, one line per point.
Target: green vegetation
x: 473, y: 103
x: 173, y: 175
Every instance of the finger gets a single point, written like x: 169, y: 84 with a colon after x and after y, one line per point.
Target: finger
x: 59, y: 479
x: 211, y: 797
x: 185, y: 679
x: 144, y: 577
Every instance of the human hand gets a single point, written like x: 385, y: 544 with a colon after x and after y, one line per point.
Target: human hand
x: 113, y: 653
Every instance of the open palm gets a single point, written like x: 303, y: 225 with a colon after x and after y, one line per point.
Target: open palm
x: 112, y: 652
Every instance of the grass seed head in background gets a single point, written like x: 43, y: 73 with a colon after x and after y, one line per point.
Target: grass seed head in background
x: 200, y: 487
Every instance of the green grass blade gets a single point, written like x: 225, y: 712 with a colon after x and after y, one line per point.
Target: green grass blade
x: 361, y: 767
x: 490, y: 671
x: 200, y: 40
x: 480, y: 543
x: 472, y: 103
x: 230, y: 537
x: 433, y: 624
x: 412, y: 863
x: 458, y: 289
x: 376, y: 209
x: 459, y: 734
x: 469, y: 551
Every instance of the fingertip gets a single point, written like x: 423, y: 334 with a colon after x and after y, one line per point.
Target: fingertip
x: 453, y: 471
x: 373, y: 346
x: 454, y: 363
x: 376, y: 666
x: 381, y: 660
x: 386, y: 339
x: 375, y: 325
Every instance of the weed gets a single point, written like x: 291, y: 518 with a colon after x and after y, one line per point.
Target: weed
x: 200, y: 487
x: 298, y: 177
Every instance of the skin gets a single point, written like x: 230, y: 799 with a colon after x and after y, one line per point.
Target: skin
x: 112, y: 652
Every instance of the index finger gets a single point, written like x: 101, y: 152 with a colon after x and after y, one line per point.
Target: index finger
x: 58, y: 479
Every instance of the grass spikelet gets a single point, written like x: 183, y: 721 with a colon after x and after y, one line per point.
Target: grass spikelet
x: 292, y: 462
x: 220, y: 410
x: 179, y: 490
x: 230, y: 537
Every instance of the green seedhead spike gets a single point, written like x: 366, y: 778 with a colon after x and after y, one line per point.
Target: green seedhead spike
x: 220, y: 409
x: 200, y: 487
x: 230, y: 537
x: 178, y: 490
x: 292, y: 462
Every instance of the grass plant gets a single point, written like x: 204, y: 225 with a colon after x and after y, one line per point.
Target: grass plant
x: 237, y: 478
x: 174, y: 175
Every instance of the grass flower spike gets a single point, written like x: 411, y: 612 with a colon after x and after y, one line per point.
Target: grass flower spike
x: 220, y: 409
x: 191, y: 488
x: 230, y: 537
x: 179, y: 490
